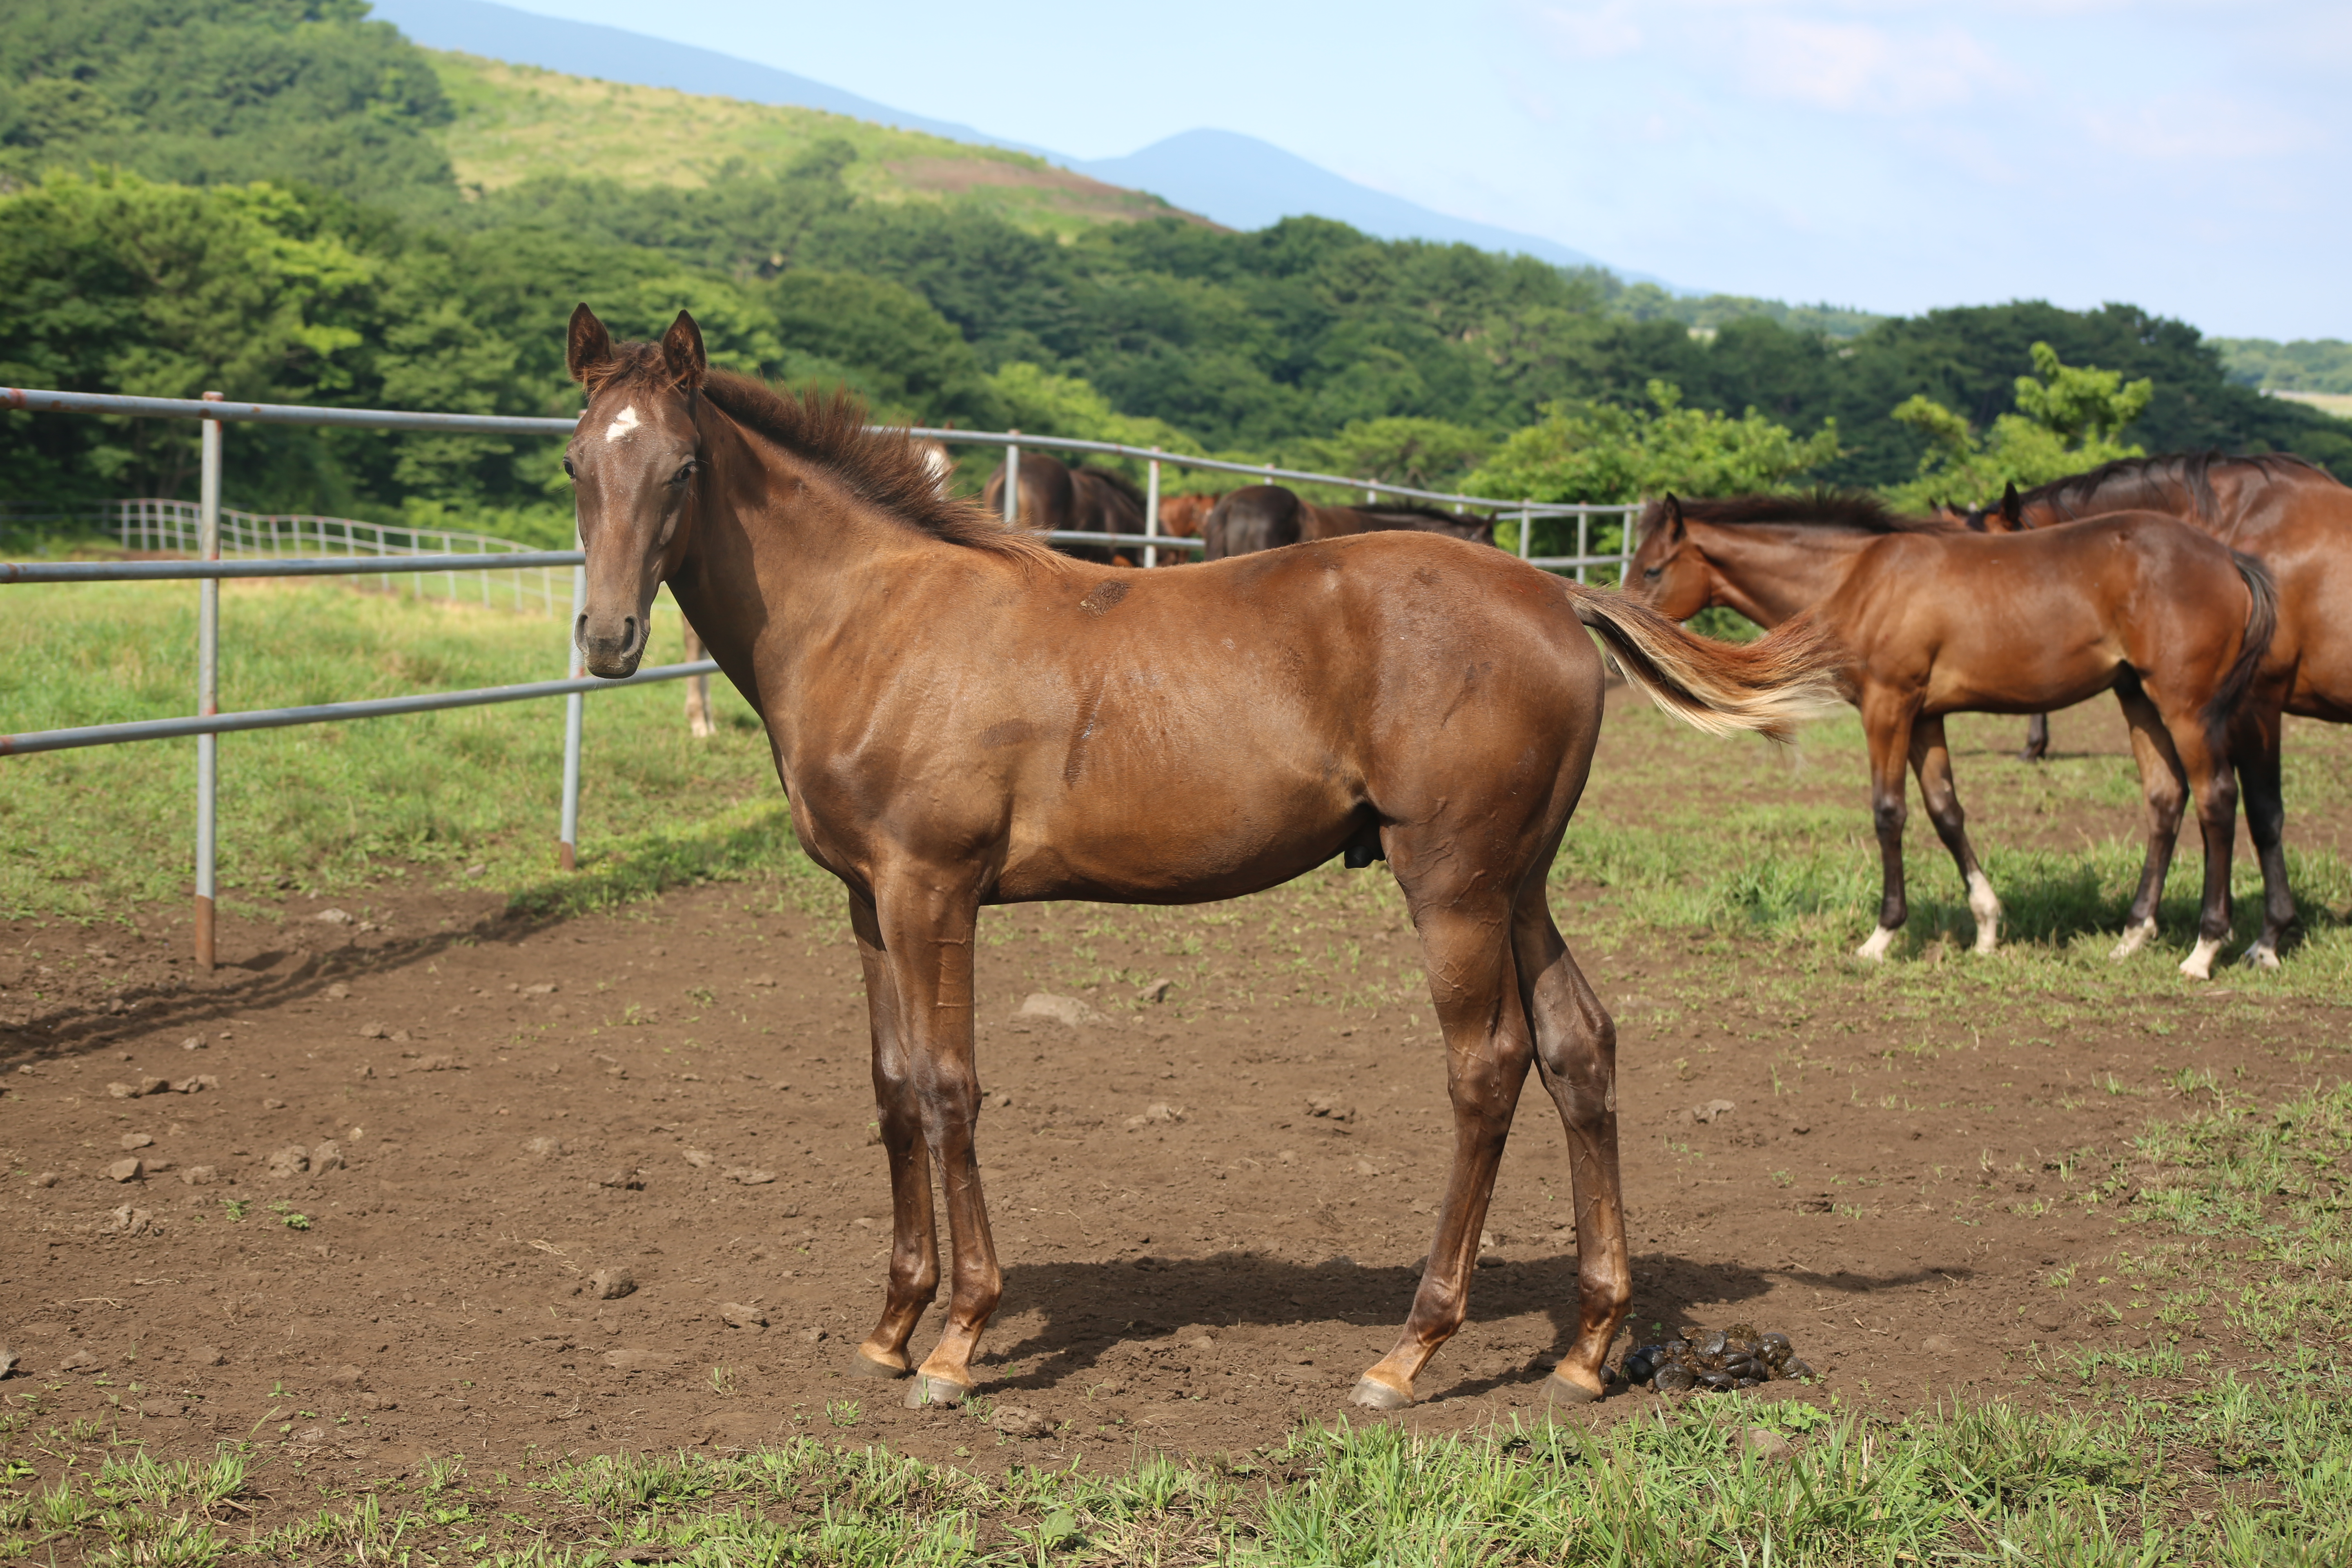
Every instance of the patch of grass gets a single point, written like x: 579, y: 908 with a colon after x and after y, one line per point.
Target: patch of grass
x: 339, y: 807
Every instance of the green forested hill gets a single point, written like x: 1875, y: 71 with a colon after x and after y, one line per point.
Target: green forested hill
x: 429, y: 220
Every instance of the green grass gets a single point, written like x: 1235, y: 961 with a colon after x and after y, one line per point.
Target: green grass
x: 339, y: 808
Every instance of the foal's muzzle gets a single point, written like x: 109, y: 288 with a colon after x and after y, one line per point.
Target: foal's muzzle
x: 612, y: 644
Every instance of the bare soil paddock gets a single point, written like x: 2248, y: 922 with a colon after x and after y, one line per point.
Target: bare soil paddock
x: 1209, y: 1208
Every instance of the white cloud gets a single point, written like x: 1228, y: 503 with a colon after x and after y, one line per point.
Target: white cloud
x: 1850, y: 66
x: 1600, y: 33
x: 2201, y: 130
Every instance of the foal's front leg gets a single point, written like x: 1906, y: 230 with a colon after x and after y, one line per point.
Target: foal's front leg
x: 914, y: 1244
x: 926, y: 924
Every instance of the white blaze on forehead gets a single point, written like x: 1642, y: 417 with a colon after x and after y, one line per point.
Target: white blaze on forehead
x: 623, y: 423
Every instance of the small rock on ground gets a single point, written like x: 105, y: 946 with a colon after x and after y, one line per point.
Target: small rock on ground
x: 1067, y: 1010
x: 737, y: 1316
x: 1766, y: 1444
x: 611, y: 1284
x: 289, y: 1162
x: 1019, y: 1421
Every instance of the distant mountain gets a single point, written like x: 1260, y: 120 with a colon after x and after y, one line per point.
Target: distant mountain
x: 1244, y: 183
x: 612, y: 54
x: 1235, y: 180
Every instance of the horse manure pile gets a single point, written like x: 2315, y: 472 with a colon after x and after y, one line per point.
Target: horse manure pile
x: 1736, y: 1357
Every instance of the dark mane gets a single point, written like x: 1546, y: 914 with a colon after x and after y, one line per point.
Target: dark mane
x: 2132, y: 483
x: 1856, y: 510
x: 884, y: 468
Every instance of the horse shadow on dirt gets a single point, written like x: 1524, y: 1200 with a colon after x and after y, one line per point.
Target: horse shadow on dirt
x: 1091, y: 1308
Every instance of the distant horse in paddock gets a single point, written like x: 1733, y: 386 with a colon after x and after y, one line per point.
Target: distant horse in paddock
x: 961, y: 717
x: 2296, y: 519
x: 1266, y: 517
x: 1057, y: 497
x: 1182, y: 517
x: 938, y: 462
x: 697, y: 691
x: 1938, y: 620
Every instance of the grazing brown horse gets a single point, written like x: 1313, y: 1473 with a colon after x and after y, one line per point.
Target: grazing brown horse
x: 1266, y: 517
x: 2296, y: 519
x: 962, y: 717
x: 1937, y: 620
x: 1056, y: 497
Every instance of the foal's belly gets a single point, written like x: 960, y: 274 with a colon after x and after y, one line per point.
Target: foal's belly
x: 1208, y: 836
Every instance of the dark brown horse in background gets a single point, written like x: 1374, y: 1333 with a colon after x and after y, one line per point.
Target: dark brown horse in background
x: 2297, y: 521
x: 1938, y: 620
x: 1266, y: 517
x: 1057, y: 497
x: 962, y: 717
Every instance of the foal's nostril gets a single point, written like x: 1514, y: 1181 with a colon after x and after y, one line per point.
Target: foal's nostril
x: 629, y: 633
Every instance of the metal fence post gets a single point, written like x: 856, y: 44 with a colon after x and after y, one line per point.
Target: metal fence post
x: 567, y: 843
x: 208, y: 489
x: 1583, y: 542
x: 1151, y: 509
x: 1013, y: 481
x: 1527, y: 525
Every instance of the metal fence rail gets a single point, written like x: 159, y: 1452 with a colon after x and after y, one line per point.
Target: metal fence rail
x: 526, y: 581
x: 247, y: 544
x: 1585, y: 558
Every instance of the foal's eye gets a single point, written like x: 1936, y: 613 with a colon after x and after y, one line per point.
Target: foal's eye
x: 569, y: 471
x: 683, y: 474
x: 1653, y: 571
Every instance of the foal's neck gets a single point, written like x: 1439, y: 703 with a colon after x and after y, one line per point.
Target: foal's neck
x: 1770, y: 574
x: 778, y: 548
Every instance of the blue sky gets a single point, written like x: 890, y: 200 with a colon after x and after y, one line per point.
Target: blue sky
x: 2188, y: 156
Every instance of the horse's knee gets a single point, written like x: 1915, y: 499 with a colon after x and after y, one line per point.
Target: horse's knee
x: 1887, y: 815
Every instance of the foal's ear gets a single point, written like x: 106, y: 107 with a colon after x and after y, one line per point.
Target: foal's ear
x: 682, y: 352
x: 587, y: 345
x: 1675, y: 531
x: 2011, y: 508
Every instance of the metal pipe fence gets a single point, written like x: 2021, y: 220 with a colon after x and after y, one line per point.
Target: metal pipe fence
x: 226, y: 543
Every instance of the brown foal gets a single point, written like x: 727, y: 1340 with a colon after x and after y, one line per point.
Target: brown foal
x: 2295, y: 519
x: 1937, y: 620
x: 961, y: 717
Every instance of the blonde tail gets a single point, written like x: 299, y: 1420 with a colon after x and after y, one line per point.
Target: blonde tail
x: 1770, y: 686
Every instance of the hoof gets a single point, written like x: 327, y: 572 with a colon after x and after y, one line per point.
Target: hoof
x: 1374, y: 1394
x: 863, y: 1362
x: 2134, y: 937
x: 2262, y: 955
x: 2199, y: 964
x: 927, y: 1389
x: 1561, y: 1390
x: 1874, y: 950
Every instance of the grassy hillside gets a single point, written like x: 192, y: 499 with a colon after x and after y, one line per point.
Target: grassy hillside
x: 514, y: 122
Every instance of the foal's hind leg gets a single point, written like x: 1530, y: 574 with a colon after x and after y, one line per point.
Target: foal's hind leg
x: 1887, y: 717
x: 2254, y: 742
x: 1576, y: 1056
x: 1467, y: 947
x: 2164, y: 784
x: 1932, y: 760
x: 2204, y: 753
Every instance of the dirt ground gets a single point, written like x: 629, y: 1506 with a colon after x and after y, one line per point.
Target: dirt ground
x: 1209, y: 1208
